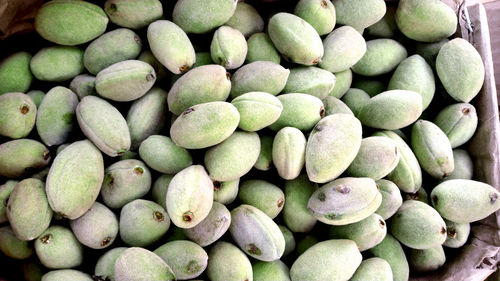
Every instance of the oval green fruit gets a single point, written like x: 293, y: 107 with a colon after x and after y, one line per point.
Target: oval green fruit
x: 289, y: 149
x: 66, y: 274
x: 105, y: 266
x: 391, y: 251
x: 263, y: 195
x: 359, y: 14
x: 134, y: 14
x: 97, y: 228
x: 261, y: 48
x: 15, y: 74
x: 259, y: 76
x: 246, y: 19
x: 186, y: 259
x: 212, y: 227
x: 320, y: 14
x: 391, y: 198
x: 367, y: 233
x: 142, y: 265
x: 373, y: 269
x: 200, y: 16
x: 21, y: 157
x: 295, y: 213
x: 57, y: 63
x: 337, y: 57
x: 382, y: 56
x: 13, y: 247
x: 301, y: 111
x: 17, y: 115
x: 5, y: 191
x: 457, y: 234
x: 310, y: 80
x: 458, y: 121
x: 162, y: 155
x: 227, y: 262
x: 83, y: 85
x: 257, y: 110
x: 229, y: 47
x: 427, y: 260
x: 270, y: 271
x: 342, y: 83
x: 58, y: 248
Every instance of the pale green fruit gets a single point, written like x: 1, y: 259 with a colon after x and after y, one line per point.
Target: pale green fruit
x: 58, y: 248
x: 186, y: 259
x: 227, y: 262
x: 97, y: 228
x: 212, y: 227
x: 142, y: 265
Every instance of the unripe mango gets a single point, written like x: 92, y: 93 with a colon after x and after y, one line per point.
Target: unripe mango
x: 17, y: 115
x: 15, y: 74
x: 134, y: 14
x: 382, y: 56
x: 339, y: 58
x: 289, y: 149
x: 200, y: 16
x: 227, y: 262
x: 212, y: 227
x: 263, y: 195
x: 21, y: 157
x: 141, y: 264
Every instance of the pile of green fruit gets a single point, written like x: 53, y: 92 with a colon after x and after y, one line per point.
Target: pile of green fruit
x: 218, y: 142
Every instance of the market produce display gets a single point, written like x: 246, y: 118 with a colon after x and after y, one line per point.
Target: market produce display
x: 219, y: 140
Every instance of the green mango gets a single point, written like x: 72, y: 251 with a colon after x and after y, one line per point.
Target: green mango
x: 295, y: 213
x: 257, y: 110
x: 22, y: 157
x: 186, y: 259
x: 142, y: 265
x: 339, y: 260
x: 334, y: 105
x: 171, y: 46
x: 381, y: 57
x: 67, y: 22
x: 97, y: 228
x: 301, y: 111
x: 270, y: 271
x: 355, y: 100
x: 189, y: 196
x: 418, y: 226
x: 345, y: 201
x: 261, y: 48
x: 13, y: 247
x: 83, y: 85
x: 332, y: 146
x: 17, y: 115
x: 58, y: 248
x: 66, y: 274
x: 386, y: 27
x: 105, y: 266
x: 263, y: 195
x: 160, y: 188
x: 246, y: 19
x: 367, y: 233
x: 225, y: 192
x: 229, y: 47
x: 75, y: 179
x: 227, y: 262
x: 342, y: 83
x: 28, y: 209
x: 5, y: 191
x: 57, y: 63
x: 162, y: 155
x: 337, y: 57
x: 463, y: 201
x: 391, y: 198
x: 427, y: 260
x: 310, y: 80
x: 200, y: 16
x: 370, y: 86
x: 256, y: 233
x: 259, y: 76
x: 15, y: 74
x: 426, y: 20
x: 265, y: 159
x: 359, y: 14
x: 36, y: 96
x: 464, y: 166
x: 373, y: 269
x: 289, y: 149
x: 56, y: 115
x: 457, y: 234
x: 212, y: 227
x: 134, y: 14
x: 391, y: 251
x: 289, y: 240
x: 319, y: 14
x: 295, y: 39
x: 458, y: 121
x: 432, y: 148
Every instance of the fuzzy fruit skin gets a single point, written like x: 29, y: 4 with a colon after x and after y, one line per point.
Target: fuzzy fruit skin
x: 263, y: 195
x: 391, y: 198
x: 212, y: 227
x: 391, y: 251
x: 289, y: 149
x: 227, y: 262
x: 5, y: 191
x: 457, y: 234
x: 295, y: 213
x: 142, y: 265
x: 289, y: 240
x: 465, y: 201
x: 17, y: 115
x: 75, y: 179
x: 162, y: 155
x: 58, y: 248
x: 187, y: 259
x: 339, y: 260
x: 13, y: 247
x: 83, y: 85
x: 310, y: 80
x: 459, y: 122
x: 57, y: 63
x: 337, y: 58
x: 15, y: 74
x: 382, y: 56
x: 301, y: 111
x: 105, y: 266
x: 200, y: 16
x: 342, y: 83
x: 261, y: 48
x: 21, y: 157
x: 257, y: 110
x: 464, y: 166
x: 359, y: 14
x: 270, y: 271
x: 256, y: 233
x: 367, y: 233
x: 427, y: 260
x: 373, y: 269
x: 246, y: 19
x: 66, y: 274
x: 229, y: 47
x: 133, y: 14
x: 320, y: 14
x: 259, y: 76
x: 97, y: 228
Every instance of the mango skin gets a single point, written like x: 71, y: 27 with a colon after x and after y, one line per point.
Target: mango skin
x: 463, y: 201
x: 261, y: 48
x: 105, y: 265
x: 289, y: 240
x: 12, y: 247
x: 414, y: 74
x: 257, y: 110
x: 263, y: 195
x: 56, y: 115
x: 394, y: 109
x: 36, y: 96
x: 205, y: 125
x: 289, y: 148
x: 427, y: 260
x: 407, y: 175
x: 75, y: 179
x: 355, y: 99
x: 234, y: 157
x: 70, y: 23
x: 29, y: 223
x: 366, y: 233
x: 57, y: 63
x: 320, y: 14
x: 377, y: 157
x: 133, y: 14
x: 391, y: 251
x: 17, y: 115
x: 246, y: 19
x: 202, y: 84
x: 66, y: 274
x: 148, y: 57
x: 162, y: 155
x: 373, y: 269
x: 212, y: 227
x: 305, y: 243
x: 58, y: 248
x: 160, y: 188
x: 256, y: 233
x: 265, y: 159
x: 460, y: 69
x: 464, y: 166
x: 186, y: 259
x: 301, y: 111
x: 457, y: 234
x: 425, y: 21
x: 199, y: 16
x: 382, y: 56
x: 112, y: 47
x: 97, y: 228
x: 295, y: 39
x: 104, y: 125
x: 125, y: 80
x: 295, y: 213
x: 332, y: 146
x: 269, y: 271
x: 146, y: 116
x: 310, y: 80
x: 5, y: 191
x: 345, y: 201
x: 337, y: 58
x: 171, y: 46
x: 391, y: 198
x: 227, y: 262
x: 358, y: 13
x: 342, y: 83
x: 226, y: 192
x: 142, y: 265
x: 432, y: 149
x: 83, y: 85
x: 429, y: 51
x: 15, y: 74
x: 371, y: 86
x: 339, y: 260
x: 458, y: 121
x: 228, y: 48
x: 21, y: 157
x: 259, y: 76
x: 189, y: 197
x: 385, y: 27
